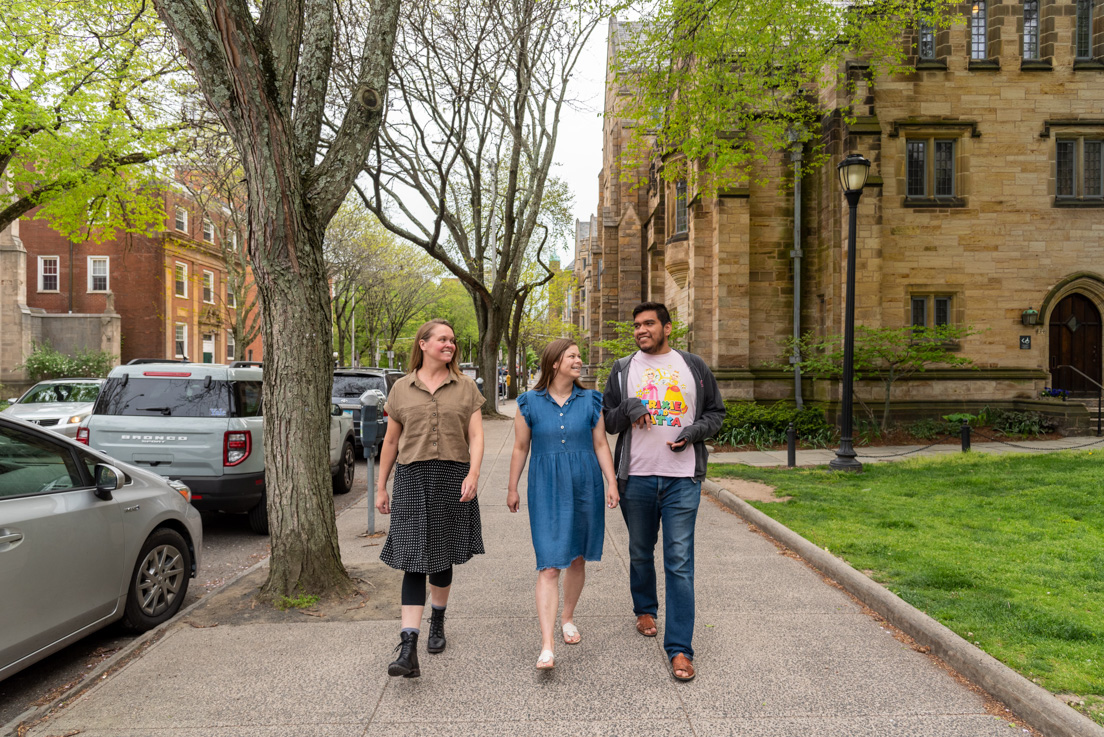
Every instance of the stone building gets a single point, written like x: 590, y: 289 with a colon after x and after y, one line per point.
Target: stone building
x: 167, y: 295
x: 983, y: 206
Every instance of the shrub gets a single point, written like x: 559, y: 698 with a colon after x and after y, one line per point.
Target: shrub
x: 1021, y: 424
x: 927, y: 429
x: 761, y: 425
x: 46, y: 363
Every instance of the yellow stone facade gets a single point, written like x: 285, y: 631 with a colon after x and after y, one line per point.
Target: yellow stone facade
x: 1003, y: 243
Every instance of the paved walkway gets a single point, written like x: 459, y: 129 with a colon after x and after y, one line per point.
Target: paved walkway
x: 780, y: 652
x: 822, y: 456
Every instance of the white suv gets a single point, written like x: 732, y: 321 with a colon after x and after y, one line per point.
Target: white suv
x: 202, y: 424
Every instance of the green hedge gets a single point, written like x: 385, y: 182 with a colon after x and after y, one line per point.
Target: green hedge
x: 46, y: 363
x: 764, y: 425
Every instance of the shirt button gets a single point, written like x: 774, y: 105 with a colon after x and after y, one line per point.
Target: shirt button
x: 561, y: 414
x: 561, y: 427
x: 562, y: 441
x: 435, y: 443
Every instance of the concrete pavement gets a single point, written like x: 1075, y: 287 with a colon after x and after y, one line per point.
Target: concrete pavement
x: 779, y: 652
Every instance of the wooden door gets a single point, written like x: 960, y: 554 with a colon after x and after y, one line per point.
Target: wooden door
x: 1075, y: 331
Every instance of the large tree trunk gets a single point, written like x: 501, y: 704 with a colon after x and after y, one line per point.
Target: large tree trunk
x: 491, y: 324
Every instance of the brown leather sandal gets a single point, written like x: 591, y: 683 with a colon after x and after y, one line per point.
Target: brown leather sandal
x: 646, y: 625
x: 682, y: 664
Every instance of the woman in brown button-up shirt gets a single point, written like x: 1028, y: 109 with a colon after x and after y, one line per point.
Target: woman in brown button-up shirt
x: 435, y: 432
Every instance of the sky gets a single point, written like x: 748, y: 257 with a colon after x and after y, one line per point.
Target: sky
x: 578, y: 156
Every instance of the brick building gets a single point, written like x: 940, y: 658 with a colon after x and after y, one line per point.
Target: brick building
x: 172, y: 290
x: 983, y: 204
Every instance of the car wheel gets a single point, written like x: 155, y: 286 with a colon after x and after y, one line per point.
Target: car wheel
x: 346, y: 470
x: 258, y: 516
x: 160, y: 580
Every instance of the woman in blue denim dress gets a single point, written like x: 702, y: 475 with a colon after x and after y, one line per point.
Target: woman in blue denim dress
x: 562, y: 423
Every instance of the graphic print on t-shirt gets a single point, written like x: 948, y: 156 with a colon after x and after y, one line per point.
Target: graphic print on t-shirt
x: 661, y: 394
x: 664, y: 384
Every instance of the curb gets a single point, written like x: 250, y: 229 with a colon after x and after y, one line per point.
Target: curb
x: 96, y: 677
x: 1034, y: 704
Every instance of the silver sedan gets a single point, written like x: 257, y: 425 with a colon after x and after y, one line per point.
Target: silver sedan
x: 59, y: 404
x: 85, y: 541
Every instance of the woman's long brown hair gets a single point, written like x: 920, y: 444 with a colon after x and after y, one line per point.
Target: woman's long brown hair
x: 553, y: 353
x: 416, y: 358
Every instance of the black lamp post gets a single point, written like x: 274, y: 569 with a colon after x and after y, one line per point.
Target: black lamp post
x: 853, y: 172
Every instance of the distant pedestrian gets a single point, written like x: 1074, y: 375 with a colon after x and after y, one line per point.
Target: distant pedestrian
x: 435, y: 431
x: 562, y: 423
x: 661, y: 401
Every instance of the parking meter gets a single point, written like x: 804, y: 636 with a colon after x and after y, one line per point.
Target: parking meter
x: 372, y: 421
x: 479, y: 383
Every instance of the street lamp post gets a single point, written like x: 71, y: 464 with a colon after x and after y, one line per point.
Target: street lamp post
x: 853, y: 172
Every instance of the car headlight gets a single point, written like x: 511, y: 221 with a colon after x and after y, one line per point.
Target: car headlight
x: 77, y: 419
x: 181, y: 488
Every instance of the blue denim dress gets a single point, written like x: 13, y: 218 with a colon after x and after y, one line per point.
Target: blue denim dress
x: 566, y: 496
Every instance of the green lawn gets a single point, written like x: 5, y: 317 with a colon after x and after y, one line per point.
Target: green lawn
x: 1007, y: 551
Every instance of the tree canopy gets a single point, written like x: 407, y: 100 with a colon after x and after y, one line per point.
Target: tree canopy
x: 721, y: 84
x: 87, y: 95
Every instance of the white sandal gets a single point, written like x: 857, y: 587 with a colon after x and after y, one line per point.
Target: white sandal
x: 571, y: 634
x: 546, y: 661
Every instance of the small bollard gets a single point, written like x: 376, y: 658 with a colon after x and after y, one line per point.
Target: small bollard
x: 965, y: 432
x: 791, y: 446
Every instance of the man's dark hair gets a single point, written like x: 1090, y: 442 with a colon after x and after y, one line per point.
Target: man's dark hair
x: 658, y: 307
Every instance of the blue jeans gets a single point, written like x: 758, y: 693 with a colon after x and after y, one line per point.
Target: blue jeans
x: 648, y: 502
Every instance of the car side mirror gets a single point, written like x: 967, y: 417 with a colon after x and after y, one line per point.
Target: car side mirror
x: 108, y: 479
x: 13, y: 400
x: 336, y: 411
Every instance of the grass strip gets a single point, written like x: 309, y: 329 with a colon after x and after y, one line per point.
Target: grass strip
x: 1005, y: 550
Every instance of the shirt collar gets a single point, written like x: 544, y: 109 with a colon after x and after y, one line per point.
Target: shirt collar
x: 575, y: 392
x: 418, y: 382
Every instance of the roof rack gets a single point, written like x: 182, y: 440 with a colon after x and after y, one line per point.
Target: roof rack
x: 140, y: 361
x: 246, y: 364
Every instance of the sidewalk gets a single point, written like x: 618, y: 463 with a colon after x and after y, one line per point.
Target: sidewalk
x: 881, y: 454
x: 779, y: 652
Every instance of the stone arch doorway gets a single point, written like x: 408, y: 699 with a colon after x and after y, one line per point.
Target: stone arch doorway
x: 1075, y: 340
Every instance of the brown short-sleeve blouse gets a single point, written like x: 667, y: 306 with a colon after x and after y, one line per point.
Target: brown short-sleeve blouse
x: 435, y: 426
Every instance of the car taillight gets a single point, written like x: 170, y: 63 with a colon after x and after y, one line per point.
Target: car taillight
x: 82, y: 435
x: 236, y: 447
x: 385, y: 413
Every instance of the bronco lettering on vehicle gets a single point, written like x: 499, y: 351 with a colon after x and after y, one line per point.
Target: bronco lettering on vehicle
x: 153, y: 438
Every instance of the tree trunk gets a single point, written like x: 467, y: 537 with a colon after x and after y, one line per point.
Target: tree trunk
x: 491, y: 327
x: 298, y: 380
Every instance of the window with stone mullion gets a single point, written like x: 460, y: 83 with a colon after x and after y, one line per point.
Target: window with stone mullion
x: 1083, y: 30
x: 1031, y: 29
x: 978, y: 31
x: 1094, y: 171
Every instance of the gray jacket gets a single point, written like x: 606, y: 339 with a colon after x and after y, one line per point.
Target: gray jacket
x: 620, y: 410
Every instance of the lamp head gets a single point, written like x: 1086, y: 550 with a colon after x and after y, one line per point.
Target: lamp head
x: 853, y: 172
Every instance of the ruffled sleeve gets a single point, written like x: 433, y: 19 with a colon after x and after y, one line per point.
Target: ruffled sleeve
x: 524, y: 408
x: 595, y: 407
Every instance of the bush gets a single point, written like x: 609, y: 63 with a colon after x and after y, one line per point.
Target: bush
x: 750, y: 423
x: 1020, y: 424
x: 46, y: 363
x: 927, y: 429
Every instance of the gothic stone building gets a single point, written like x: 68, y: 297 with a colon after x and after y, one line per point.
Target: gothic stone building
x: 984, y: 200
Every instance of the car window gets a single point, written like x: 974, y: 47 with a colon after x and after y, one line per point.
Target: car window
x: 32, y: 465
x: 354, y: 386
x: 176, y: 397
x: 247, y: 395
x: 45, y: 393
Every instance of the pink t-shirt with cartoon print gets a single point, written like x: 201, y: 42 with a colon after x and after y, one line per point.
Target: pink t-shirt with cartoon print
x: 664, y: 384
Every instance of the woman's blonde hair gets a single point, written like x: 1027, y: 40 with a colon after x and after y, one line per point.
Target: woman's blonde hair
x: 552, y: 354
x: 416, y: 358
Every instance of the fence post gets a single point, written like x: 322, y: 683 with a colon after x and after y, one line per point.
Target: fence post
x: 965, y: 433
x: 791, y: 446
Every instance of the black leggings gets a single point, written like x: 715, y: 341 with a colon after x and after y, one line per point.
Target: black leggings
x: 414, y: 585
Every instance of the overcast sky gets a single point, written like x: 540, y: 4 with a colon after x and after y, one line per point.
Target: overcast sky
x: 579, y: 144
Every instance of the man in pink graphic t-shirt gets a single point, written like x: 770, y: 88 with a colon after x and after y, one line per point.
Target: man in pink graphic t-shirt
x: 662, y: 402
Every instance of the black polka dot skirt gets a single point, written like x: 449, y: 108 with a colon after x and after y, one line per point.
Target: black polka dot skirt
x: 431, y: 529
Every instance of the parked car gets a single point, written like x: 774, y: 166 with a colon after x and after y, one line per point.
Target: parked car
x: 203, y: 424
x: 349, y: 384
x: 85, y: 541
x: 59, y: 404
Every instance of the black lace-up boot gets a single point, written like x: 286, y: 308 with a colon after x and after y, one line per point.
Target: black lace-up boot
x: 406, y: 665
x: 436, y: 641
